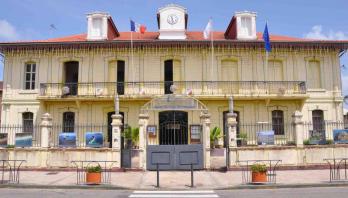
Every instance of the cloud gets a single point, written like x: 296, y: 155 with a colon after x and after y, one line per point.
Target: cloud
x: 7, y: 31
x: 317, y: 33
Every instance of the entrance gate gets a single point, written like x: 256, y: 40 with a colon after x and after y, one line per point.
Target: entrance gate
x: 173, y: 151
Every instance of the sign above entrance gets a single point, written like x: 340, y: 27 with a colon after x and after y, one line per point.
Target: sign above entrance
x: 174, y: 102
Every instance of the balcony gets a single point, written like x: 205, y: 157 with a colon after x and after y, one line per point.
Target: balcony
x: 203, y: 89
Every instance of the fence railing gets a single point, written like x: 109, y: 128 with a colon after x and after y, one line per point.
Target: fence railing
x: 20, y: 136
x: 99, y: 135
x: 109, y: 89
x: 284, y: 134
x: 256, y: 134
x: 323, y: 132
x: 81, y: 135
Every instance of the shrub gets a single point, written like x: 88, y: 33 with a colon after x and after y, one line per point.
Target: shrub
x: 329, y: 141
x: 306, y: 142
x: 242, y: 135
x: 94, y: 169
x: 215, y: 134
x: 258, y: 168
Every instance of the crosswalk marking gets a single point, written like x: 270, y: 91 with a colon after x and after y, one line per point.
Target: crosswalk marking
x: 177, y: 194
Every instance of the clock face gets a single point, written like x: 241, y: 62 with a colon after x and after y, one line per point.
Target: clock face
x: 172, y: 19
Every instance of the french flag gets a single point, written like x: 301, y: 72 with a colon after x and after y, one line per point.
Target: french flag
x: 136, y: 27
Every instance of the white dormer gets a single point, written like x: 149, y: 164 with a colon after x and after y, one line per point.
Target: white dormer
x: 246, y: 25
x: 172, y: 22
x: 97, y: 26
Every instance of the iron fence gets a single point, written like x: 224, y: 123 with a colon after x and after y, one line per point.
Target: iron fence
x: 20, y: 135
x: 256, y: 134
x: 109, y: 89
x: 76, y: 135
x: 322, y: 132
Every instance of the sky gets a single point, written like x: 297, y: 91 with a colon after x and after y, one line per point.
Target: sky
x: 318, y: 19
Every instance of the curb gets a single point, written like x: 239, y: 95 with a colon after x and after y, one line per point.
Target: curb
x: 86, y: 187
x: 278, y: 186
x: 113, y: 187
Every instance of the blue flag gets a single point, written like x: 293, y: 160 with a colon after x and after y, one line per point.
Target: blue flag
x: 132, y: 26
x: 266, y: 39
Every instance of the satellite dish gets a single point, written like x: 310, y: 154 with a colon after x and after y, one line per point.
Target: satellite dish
x: 345, y: 100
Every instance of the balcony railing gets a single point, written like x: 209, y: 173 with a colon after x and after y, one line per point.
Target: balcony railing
x: 197, y: 88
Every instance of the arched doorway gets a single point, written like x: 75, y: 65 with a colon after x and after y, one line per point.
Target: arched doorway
x: 178, y: 146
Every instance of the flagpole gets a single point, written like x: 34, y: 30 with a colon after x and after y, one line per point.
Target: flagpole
x: 132, y: 63
x: 212, y: 51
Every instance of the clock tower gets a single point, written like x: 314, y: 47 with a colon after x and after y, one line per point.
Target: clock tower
x: 172, y: 22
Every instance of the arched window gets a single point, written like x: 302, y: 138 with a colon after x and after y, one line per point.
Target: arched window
x: 30, y: 75
x: 278, y: 122
x: 68, y: 121
x: 318, y: 120
x: 27, y: 121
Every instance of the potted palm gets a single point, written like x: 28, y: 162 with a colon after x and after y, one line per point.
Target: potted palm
x: 215, y: 135
x: 242, y: 139
x: 258, y: 173
x: 127, y: 135
x: 135, y: 137
x: 93, y: 174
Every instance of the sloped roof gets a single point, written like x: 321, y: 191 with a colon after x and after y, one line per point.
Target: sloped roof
x: 191, y: 36
x: 150, y: 39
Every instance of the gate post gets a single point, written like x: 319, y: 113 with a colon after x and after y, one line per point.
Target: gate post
x: 143, y: 121
x: 205, y: 119
x: 116, y: 136
x: 45, y: 130
x: 232, y: 137
x: 232, y: 129
x: 298, y: 128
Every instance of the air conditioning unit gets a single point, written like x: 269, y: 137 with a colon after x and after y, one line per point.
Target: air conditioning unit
x: 99, y: 91
x: 65, y: 90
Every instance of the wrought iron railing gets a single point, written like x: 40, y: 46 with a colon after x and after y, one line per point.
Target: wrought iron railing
x: 258, y: 134
x: 198, y: 88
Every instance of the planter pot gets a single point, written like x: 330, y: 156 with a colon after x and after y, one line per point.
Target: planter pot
x: 242, y: 143
x: 259, y: 177
x: 93, y: 178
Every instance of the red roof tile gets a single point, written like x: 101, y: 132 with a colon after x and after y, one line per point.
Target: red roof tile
x: 191, y: 36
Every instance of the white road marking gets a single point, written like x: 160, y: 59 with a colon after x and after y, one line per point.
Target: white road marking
x: 177, y: 194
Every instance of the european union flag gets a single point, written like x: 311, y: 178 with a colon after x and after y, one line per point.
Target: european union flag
x: 266, y: 39
x: 132, y: 25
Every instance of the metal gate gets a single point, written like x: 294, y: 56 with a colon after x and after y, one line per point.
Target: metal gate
x: 175, y: 157
x: 173, y: 151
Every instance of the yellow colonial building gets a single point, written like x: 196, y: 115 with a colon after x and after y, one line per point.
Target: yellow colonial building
x: 176, y: 87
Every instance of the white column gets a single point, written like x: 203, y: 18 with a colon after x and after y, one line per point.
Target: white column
x: 298, y: 128
x: 232, y: 137
x: 232, y: 129
x: 46, y: 130
x: 116, y: 136
x: 205, y: 120
x: 116, y: 131
x: 143, y: 121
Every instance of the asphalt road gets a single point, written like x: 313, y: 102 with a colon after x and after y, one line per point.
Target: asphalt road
x: 323, y: 192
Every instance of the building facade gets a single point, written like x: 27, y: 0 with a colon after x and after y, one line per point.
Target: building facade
x: 75, y: 79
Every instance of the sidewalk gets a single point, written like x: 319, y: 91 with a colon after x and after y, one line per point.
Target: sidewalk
x: 174, y: 179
